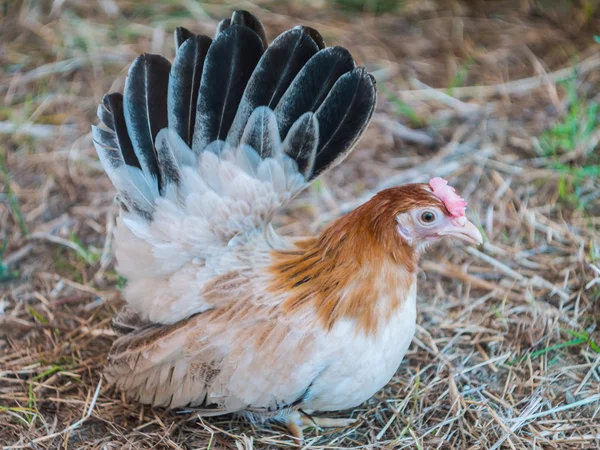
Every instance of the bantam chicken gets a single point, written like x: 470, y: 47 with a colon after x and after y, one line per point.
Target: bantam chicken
x: 222, y: 313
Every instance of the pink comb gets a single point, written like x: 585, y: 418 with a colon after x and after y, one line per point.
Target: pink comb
x: 453, y: 203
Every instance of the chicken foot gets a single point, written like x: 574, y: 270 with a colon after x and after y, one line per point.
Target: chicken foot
x: 297, y: 422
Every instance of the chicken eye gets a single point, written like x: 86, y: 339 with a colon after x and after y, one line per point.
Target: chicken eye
x: 428, y: 217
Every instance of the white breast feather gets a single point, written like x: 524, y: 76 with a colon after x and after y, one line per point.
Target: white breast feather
x: 361, y: 365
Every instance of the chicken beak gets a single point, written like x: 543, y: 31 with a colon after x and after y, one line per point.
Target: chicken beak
x: 464, y: 230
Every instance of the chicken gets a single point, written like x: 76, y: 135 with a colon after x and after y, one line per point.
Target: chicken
x: 222, y: 313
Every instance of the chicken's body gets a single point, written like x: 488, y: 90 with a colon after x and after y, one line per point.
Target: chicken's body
x: 267, y: 364
x: 252, y: 345
x: 222, y: 313
x: 360, y: 365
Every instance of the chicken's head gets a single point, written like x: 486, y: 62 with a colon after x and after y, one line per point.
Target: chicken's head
x: 422, y: 213
x: 430, y: 211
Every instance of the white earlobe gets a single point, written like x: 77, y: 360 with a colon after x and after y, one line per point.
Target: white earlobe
x: 404, y: 233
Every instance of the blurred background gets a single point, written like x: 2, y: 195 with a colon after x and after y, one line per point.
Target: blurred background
x: 501, y: 97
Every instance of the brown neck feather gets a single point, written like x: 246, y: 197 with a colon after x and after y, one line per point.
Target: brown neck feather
x: 359, y: 268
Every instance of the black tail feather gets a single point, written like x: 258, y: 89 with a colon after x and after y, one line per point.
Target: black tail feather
x: 110, y: 112
x: 181, y: 34
x: 244, y: 18
x: 249, y: 20
x: 343, y: 117
x: 145, y: 107
x: 276, y: 70
x: 301, y: 142
x: 109, y: 151
x: 223, y: 25
x: 314, y: 34
x: 229, y: 63
x: 311, y: 86
x: 184, y: 84
x: 261, y: 133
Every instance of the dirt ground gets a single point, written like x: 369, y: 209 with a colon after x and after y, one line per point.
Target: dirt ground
x: 501, y: 97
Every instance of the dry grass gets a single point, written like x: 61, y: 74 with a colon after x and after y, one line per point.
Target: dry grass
x: 506, y: 352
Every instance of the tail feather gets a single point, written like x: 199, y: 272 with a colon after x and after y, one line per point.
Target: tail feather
x: 343, y: 117
x: 145, y: 107
x: 282, y: 116
x: 244, y: 18
x: 261, y: 133
x: 249, y: 20
x: 222, y: 26
x: 302, y: 141
x: 110, y: 112
x: 314, y: 34
x: 181, y: 34
x: 172, y: 155
x: 137, y: 191
x: 108, y: 149
x: 276, y: 70
x: 184, y: 85
x: 229, y: 63
x: 311, y: 86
